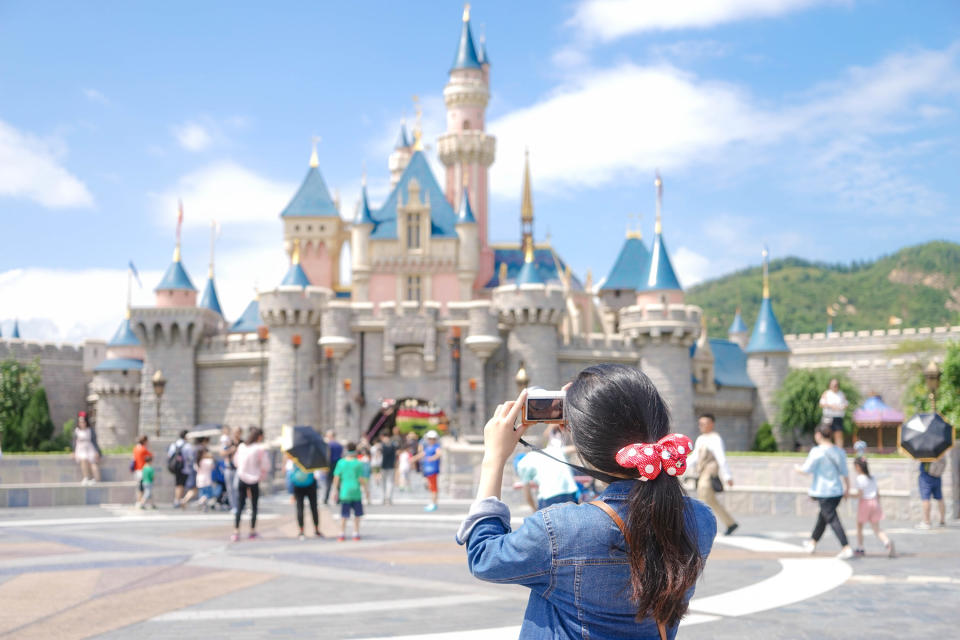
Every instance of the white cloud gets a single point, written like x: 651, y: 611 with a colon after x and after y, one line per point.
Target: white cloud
x: 30, y: 168
x: 95, y: 96
x: 691, y: 267
x: 607, y: 20
x: 226, y: 192
x: 192, y: 136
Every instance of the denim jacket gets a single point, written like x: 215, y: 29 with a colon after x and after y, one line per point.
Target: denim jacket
x: 573, y: 558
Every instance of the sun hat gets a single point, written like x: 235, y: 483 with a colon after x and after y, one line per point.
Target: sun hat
x: 431, y: 434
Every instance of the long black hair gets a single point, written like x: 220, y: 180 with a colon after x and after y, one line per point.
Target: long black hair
x: 608, y: 407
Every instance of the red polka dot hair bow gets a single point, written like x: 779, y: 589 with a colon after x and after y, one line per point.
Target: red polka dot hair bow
x: 669, y: 454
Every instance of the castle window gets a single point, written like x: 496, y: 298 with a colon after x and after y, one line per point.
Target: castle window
x: 296, y: 227
x: 413, y: 289
x: 321, y: 228
x: 413, y: 231
x: 466, y: 125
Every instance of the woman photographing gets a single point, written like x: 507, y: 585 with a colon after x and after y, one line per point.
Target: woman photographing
x: 623, y: 566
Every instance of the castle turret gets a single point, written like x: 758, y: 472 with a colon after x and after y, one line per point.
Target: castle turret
x: 15, y: 334
x: 176, y: 289
x: 738, y: 331
x: 465, y: 149
x: 619, y: 288
x: 468, y: 256
x: 703, y: 362
x: 659, y: 283
x: 360, y: 232
x: 313, y: 219
x: 210, y: 299
x: 293, y: 316
x: 249, y: 320
x: 295, y: 275
x: 116, y: 385
x: 400, y: 157
x: 767, y: 357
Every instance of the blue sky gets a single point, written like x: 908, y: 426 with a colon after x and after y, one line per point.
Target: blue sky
x: 826, y: 129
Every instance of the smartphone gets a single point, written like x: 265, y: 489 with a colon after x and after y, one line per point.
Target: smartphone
x: 544, y: 406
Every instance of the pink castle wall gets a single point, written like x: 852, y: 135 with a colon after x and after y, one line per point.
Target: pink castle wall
x: 316, y: 263
x: 382, y: 287
x: 656, y: 297
x: 445, y: 288
x: 176, y: 298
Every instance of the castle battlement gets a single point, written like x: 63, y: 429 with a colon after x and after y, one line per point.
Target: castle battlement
x: 530, y: 304
x: 29, y: 349
x: 896, y: 335
x: 293, y: 305
x: 679, y: 323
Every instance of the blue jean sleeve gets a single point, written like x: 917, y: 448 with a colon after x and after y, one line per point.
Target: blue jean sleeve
x: 524, y: 556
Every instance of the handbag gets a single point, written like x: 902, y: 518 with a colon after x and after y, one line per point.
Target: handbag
x: 716, y: 484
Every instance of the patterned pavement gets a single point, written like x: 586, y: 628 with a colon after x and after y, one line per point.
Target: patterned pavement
x: 114, y: 572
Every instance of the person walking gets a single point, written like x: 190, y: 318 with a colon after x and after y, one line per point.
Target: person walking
x: 349, y: 483
x: 176, y: 466
x: 86, y: 451
x: 868, y: 509
x: 228, y: 449
x: 709, y: 460
x: 831, y: 482
x: 253, y: 465
x: 146, y: 481
x: 623, y: 566
x: 305, y: 487
x: 834, y: 404
x: 140, y: 454
x: 429, y: 458
x: 189, y: 452
x: 203, y: 468
x: 336, y: 452
x: 931, y: 486
x: 388, y: 465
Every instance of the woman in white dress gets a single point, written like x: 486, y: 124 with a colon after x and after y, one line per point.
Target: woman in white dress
x: 86, y: 451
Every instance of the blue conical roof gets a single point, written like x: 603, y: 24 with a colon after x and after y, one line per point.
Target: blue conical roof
x: 738, y: 325
x: 16, y: 329
x: 767, y: 336
x: 249, y: 321
x: 465, y: 214
x: 364, y: 216
x: 443, y: 218
x: 403, y: 140
x: 630, y: 268
x: 312, y: 199
x: 466, y: 57
x: 296, y: 276
x: 528, y: 274
x: 124, y: 337
x: 482, y: 52
x: 659, y: 275
x: 175, y: 279
x: 210, y: 300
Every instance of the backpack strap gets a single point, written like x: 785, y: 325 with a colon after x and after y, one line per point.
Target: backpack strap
x: 661, y: 627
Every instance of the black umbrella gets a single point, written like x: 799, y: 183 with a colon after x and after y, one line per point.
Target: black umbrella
x: 305, y: 446
x: 926, y: 436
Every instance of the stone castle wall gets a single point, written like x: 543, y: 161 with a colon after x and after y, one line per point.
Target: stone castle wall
x: 62, y: 371
x: 875, y: 360
x: 229, y: 370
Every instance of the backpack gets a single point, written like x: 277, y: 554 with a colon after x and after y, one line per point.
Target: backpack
x: 301, y: 478
x: 175, y: 462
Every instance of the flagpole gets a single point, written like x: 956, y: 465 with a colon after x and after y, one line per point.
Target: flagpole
x: 213, y: 239
x: 129, y: 290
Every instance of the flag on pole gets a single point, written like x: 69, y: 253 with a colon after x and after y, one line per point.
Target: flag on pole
x: 133, y: 270
x: 179, y: 219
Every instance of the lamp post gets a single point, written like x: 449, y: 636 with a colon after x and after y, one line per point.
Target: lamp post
x: 347, y: 407
x: 263, y: 334
x: 522, y: 379
x: 159, y: 383
x: 332, y: 386
x: 931, y: 374
x: 472, y: 383
x: 296, y: 340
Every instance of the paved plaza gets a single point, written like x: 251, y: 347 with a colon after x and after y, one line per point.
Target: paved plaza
x: 115, y: 572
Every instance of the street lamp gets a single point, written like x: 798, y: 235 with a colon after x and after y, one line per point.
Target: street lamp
x: 159, y: 383
x: 931, y: 374
x: 263, y: 334
x: 472, y: 383
x: 332, y: 387
x: 522, y: 379
x: 295, y: 341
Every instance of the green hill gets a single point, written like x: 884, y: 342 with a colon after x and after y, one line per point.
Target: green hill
x: 915, y: 287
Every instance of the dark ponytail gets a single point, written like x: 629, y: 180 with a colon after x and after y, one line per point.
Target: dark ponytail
x: 608, y: 407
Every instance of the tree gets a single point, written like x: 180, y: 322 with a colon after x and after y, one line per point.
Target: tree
x: 917, y: 399
x: 764, y: 440
x: 798, y: 400
x: 36, y: 427
x: 18, y: 382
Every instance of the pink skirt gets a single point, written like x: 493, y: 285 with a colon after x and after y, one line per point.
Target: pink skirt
x: 869, y: 510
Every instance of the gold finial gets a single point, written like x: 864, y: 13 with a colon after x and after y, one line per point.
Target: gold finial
x: 466, y: 12
x: 502, y: 278
x: 528, y: 249
x: 176, y: 253
x: 295, y: 258
x: 635, y: 232
x: 418, y: 130
x: 526, y: 204
x: 658, y: 183
x: 314, y: 158
x: 588, y: 282
x: 766, y: 274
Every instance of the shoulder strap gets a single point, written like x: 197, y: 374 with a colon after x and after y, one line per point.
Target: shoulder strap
x: 662, y: 628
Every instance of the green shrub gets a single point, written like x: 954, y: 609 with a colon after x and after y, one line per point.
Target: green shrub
x: 764, y: 440
x: 36, y: 426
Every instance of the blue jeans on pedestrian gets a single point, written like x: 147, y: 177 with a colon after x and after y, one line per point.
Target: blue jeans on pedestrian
x: 230, y: 479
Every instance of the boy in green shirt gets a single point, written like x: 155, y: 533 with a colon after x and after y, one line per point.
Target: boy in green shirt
x: 349, y: 483
x: 147, y: 476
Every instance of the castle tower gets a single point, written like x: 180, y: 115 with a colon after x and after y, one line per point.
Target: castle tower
x: 249, y: 320
x: 659, y: 283
x: 313, y: 219
x: 737, y: 332
x: 175, y: 288
x: 767, y: 357
x: 116, y: 383
x: 15, y: 334
x: 360, y: 232
x: 400, y: 157
x: 465, y: 149
x: 468, y: 260
x: 293, y: 314
x: 210, y: 299
x: 619, y: 289
x: 703, y: 362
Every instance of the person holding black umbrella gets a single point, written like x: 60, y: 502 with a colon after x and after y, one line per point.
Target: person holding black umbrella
x: 305, y: 486
x: 931, y: 486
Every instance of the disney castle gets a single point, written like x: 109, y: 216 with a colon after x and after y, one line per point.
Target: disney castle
x: 433, y: 311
